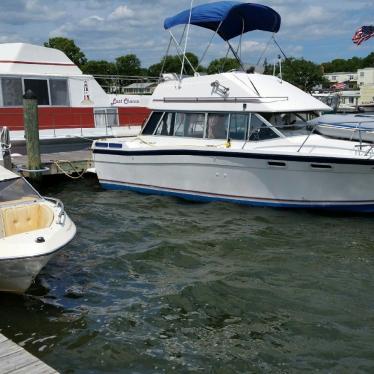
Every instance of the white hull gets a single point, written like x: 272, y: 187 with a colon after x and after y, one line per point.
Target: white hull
x: 22, y: 257
x: 18, y: 274
x: 249, y: 178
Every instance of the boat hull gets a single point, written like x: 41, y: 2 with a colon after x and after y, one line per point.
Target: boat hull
x: 17, y: 275
x: 252, y: 179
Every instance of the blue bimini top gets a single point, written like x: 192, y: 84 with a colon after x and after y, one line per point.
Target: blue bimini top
x: 236, y: 18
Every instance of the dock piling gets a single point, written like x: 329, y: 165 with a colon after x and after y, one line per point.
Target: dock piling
x: 31, y: 124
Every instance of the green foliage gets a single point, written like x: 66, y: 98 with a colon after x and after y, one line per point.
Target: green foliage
x: 301, y: 73
x: 173, y: 64
x: 99, y: 67
x: 69, y: 48
x: 349, y: 65
x: 222, y: 64
x: 128, y: 65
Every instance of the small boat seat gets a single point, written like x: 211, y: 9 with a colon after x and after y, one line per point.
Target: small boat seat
x: 24, y: 218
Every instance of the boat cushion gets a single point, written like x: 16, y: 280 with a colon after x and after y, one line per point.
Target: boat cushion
x: 2, y: 229
x: 20, y: 219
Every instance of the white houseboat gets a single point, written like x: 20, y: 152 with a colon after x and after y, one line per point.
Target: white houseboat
x: 70, y: 103
x: 218, y: 137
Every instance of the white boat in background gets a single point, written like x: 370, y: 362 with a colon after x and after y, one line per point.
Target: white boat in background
x: 71, y: 104
x: 345, y: 126
x: 217, y: 137
x: 32, y: 229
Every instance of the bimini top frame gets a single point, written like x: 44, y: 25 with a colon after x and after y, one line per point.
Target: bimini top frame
x: 228, y: 19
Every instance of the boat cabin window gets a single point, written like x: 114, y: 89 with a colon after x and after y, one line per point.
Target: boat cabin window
x: 166, y: 125
x: 238, y: 126
x: 40, y: 89
x: 217, y: 126
x: 259, y: 130
x: 12, y: 91
x: 16, y: 189
x: 59, y: 92
x: 189, y: 124
x: 152, y: 123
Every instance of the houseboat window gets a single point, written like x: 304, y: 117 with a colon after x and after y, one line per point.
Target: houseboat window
x: 189, y: 124
x: 151, y: 124
x: 12, y: 91
x: 259, y: 130
x: 59, y: 92
x: 217, y: 126
x: 106, y: 117
x: 40, y: 89
x: 238, y: 126
x: 166, y: 125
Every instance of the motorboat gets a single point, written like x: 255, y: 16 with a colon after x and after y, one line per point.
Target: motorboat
x: 32, y: 229
x: 220, y: 137
x: 72, y: 105
x: 345, y: 126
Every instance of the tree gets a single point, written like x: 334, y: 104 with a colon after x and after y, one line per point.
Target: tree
x: 173, y: 64
x: 302, y: 73
x: 222, y: 64
x: 128, y: 65
x: 99, y: 67
x: 69, y: 48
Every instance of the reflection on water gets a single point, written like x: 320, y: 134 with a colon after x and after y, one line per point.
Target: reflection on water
x: 155, y: 284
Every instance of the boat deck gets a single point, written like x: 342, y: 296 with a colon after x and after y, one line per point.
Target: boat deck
x: 16, y: 360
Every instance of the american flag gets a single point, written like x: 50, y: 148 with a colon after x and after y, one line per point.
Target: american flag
x: 362, y: 34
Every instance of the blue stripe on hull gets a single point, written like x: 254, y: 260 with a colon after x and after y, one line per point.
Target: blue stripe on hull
x: 363, y: 208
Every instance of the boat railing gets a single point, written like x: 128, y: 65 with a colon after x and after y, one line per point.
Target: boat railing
x: 61, y: 217
x: 127, y: 84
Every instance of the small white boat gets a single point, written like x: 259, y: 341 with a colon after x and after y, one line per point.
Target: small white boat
x: 32, y: 229
x: 346, y: 126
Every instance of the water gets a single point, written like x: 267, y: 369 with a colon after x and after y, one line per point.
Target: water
x: 158, y: 285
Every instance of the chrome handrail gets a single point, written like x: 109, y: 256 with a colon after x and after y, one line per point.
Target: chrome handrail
x: 59, y: 204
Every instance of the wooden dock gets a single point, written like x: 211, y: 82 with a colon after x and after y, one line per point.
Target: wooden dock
x: 16, y: 360
x: 73, y: 163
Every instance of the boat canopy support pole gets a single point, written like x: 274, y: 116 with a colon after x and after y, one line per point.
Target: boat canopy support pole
x: 179, y: 49
x: 238, y: 59
x: 185, y: 42
x: 210, y: 42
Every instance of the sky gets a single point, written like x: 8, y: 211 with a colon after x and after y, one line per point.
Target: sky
x: 317, y: 30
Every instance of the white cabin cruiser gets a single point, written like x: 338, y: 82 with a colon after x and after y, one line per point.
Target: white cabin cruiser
x: 217, y: 137
x: 32, y: 230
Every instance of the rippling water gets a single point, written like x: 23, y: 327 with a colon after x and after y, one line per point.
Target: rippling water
x: 155, y: 284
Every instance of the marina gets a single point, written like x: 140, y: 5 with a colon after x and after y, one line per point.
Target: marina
x: 184, y: 218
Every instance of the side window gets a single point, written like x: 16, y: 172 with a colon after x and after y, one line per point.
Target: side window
x: 151, y: 124
x: 166, y: 125
x: 217, y: 125
x: 12, y: 91
x: 59, y: 91
x: 238, y: 126
x: 259, y: 130
x: 189, y: 124
x: 40, y: 89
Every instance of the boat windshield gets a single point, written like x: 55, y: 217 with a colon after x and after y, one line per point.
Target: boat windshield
x: 17, y: 189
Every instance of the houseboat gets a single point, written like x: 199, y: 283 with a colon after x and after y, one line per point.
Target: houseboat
x: 71, y: 104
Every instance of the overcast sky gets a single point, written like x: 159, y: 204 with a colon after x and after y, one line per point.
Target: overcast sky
x: 318, y: 30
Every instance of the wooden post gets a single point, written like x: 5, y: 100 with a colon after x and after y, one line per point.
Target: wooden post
x: 31, y: 125
x: 5, y: 148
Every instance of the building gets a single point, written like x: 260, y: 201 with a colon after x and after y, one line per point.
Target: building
x: 365, y: 77
x: 349, y: 78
